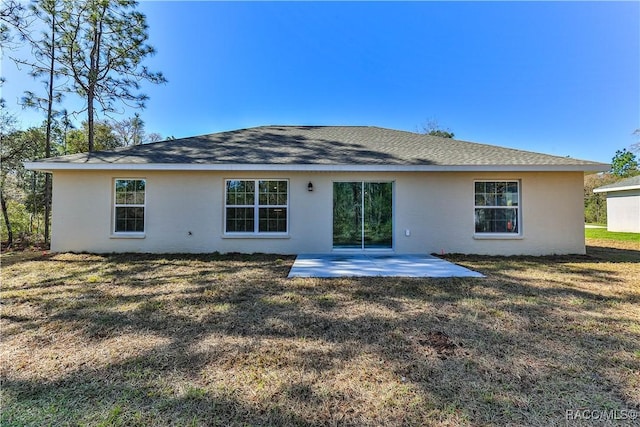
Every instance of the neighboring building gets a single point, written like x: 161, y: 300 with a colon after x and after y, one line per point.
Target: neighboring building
x: 623, y: 204
x: 318, y: 189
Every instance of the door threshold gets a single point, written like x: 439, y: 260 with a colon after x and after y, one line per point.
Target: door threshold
x: 363, y: 251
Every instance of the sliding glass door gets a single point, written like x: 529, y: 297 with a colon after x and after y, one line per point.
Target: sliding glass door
x: 363, y: 215
x: 378, y: 215
x: 347, y: 215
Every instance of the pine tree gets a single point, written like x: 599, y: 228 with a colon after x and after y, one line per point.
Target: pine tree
x: 104, y: 45
x: 45, y: 63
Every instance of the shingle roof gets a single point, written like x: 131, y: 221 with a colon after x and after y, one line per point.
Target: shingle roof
x: 319, y: 146
x: 632, y: 183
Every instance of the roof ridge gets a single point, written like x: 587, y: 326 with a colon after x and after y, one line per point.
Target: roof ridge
x: 314, y: 126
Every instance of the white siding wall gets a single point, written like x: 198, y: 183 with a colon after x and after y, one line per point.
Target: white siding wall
x: 437, y: 208
x: 623, y: 211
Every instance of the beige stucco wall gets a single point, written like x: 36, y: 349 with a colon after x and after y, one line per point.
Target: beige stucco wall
x: 437, y: 209
x: 623, y: 211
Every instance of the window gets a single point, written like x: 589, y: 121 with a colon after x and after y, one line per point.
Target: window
x: 129, y: 205
x: 256, y: 206
x: 497, y: 205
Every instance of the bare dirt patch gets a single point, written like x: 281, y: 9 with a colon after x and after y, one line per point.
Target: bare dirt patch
x: 440, y: 342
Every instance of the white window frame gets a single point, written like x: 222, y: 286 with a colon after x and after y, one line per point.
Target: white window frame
x: 491, y: 234
x: 136, y: 205
x: 256, y: 209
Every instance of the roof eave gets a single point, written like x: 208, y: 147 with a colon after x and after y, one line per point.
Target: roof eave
x: 612, y: 190
x: 53, y: 166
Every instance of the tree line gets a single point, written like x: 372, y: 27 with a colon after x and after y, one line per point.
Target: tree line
x: 624, y: 164
x: 23, y: 193
x: 92, y: 50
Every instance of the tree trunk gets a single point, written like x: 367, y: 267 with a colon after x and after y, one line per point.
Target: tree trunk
x: 5, y: 214
x: 91, y: 90
x: 94, y: 62
x: 34, y: 210
x: 47, y: 206
x: 90, y: 120
x: 47, y: 146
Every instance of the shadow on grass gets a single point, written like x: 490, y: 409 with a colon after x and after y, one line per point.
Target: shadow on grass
x: 244, y: 345
x: 608, y: 254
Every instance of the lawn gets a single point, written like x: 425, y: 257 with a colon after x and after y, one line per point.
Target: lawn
x: 228, y: 340
x: 603, y: 234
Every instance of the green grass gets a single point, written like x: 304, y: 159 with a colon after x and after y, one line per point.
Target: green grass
x: 228, y: 340
x: 602, y: 233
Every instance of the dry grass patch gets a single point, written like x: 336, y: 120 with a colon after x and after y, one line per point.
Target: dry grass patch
x: 228, y: 340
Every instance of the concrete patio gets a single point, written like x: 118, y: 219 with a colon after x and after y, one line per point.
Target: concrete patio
x: 366, y: 265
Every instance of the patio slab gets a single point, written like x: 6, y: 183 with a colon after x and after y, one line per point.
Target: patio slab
x: 366, y: 265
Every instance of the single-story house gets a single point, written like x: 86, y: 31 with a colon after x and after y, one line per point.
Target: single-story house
x: 623, y: 204
x: 317, y: 189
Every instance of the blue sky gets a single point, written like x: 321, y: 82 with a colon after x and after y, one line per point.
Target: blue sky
x: 556, y: 77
